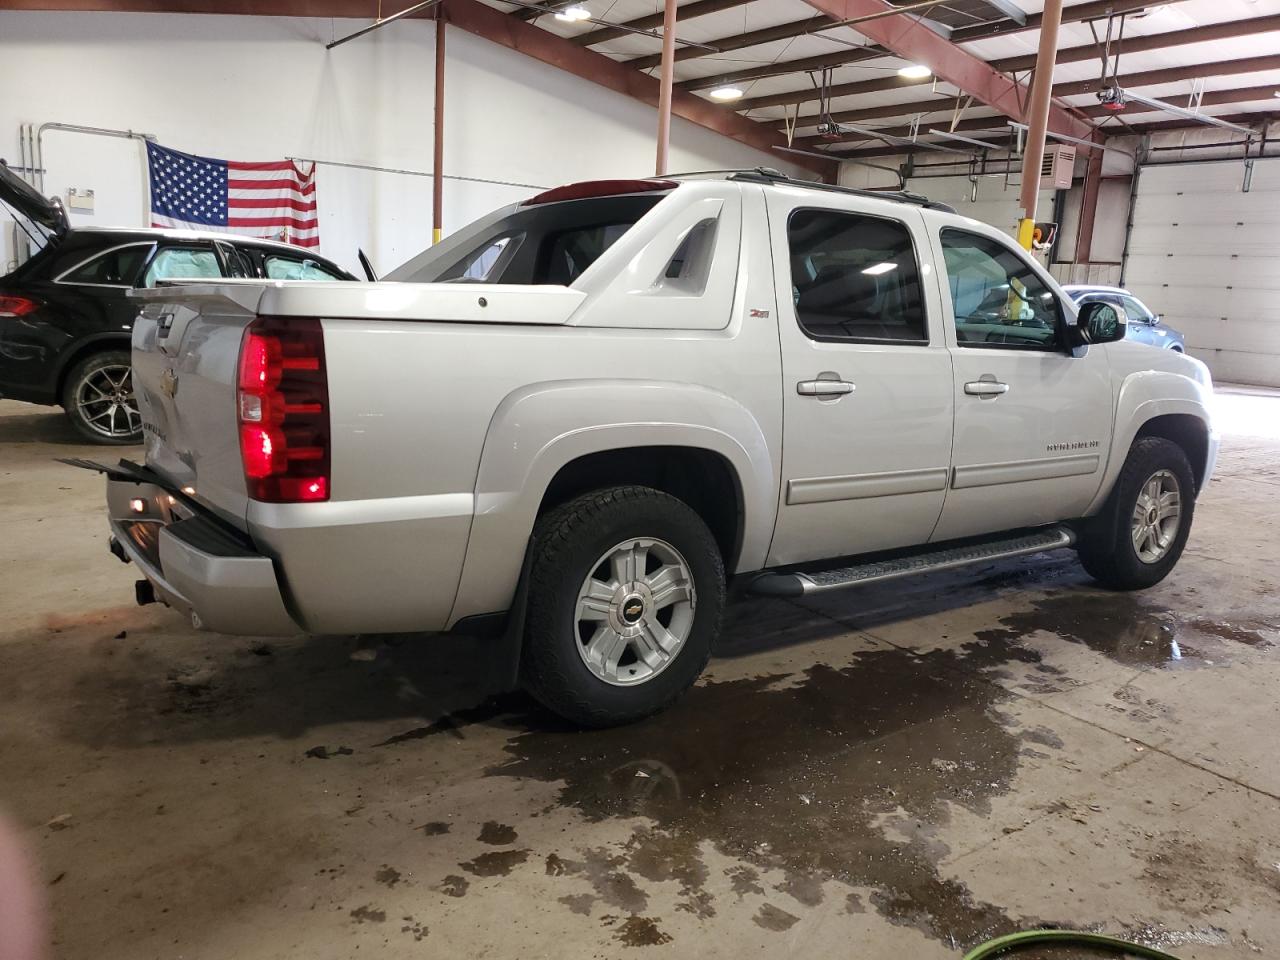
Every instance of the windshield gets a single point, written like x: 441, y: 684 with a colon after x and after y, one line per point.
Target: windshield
x: 550, y: 243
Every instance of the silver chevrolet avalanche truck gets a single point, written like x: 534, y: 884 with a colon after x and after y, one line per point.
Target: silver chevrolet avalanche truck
x: 574, y: 424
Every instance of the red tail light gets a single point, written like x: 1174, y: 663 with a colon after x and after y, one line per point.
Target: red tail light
x: 15, y: 306
x: 283, y: 398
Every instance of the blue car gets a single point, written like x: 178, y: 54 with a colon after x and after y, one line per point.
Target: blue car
x: 1142, y: 325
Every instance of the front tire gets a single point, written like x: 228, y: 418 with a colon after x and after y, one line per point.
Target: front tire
x: 1140, y: 534
x: 626, y: 592
x: 99, y: 399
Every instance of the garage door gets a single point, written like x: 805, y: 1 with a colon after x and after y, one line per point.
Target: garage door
x: 1205, y: 254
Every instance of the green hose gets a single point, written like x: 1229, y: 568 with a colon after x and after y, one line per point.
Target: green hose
x: 1014, y: 941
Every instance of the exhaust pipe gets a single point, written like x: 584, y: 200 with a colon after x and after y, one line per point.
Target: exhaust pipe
x: 144, y: 592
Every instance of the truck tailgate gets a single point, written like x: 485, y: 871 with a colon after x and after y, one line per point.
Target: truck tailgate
x: 186, y: 348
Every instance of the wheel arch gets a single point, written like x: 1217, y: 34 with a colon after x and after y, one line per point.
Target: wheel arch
x: 1169, y: 405
x: 549, y: 442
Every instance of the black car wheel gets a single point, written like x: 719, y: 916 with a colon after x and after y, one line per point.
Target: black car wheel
x: 99, y: 399
x: 625, y: 595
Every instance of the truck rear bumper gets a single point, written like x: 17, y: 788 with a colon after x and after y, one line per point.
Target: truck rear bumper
x: 196, y: 565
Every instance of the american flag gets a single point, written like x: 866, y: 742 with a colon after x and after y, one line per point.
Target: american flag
x: 274, y: 200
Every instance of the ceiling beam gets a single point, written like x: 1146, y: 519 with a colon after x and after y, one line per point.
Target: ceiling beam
x: 1072, y: 14
x: 1088, y: 51
x: 752, y: 38
x: 1149, y: 78
x: 913, y: 41
x: 1076, y: 13
x: 973, y: 124
x: 688, y: 11
x: 1076, y: 88
x: 1153, y: 41
x: 549, y: 6
x: 839, y: 58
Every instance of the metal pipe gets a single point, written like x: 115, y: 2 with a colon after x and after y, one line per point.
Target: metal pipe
x: 78, y: 128
x: 437, y: 164
x: 1178, y: 111
x: 382, y: 22
x: 1139, y: 157
x: 1041, y: 96
x: 664, y: 92
x: 1088, y: 144
x: 415, y: 173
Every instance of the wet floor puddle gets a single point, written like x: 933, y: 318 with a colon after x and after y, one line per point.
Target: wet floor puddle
x: 839, y: 776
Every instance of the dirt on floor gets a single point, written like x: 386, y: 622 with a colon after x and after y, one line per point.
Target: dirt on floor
x: 903, y: 770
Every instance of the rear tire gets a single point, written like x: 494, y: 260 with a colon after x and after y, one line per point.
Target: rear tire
x: 99, y: 399
x: 626, y: 592
x: 1140, y: 534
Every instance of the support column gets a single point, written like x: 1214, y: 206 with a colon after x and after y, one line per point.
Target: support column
x: 437, y: 163
x: 1088, y: 207
x: 664, y: 93
x: 1041, y: 95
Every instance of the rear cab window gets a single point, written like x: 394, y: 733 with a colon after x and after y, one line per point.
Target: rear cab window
x: 552, y: 243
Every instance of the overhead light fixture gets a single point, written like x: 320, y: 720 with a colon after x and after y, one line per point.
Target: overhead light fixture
x: 726, y: 93
x: 575, y: 14
x: 915, y: 71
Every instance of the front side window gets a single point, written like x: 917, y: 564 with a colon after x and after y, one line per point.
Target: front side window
x: 286, y: 268
x: 115, y: 268
x: 998, y: 299
x: 854, y: 277
x: 1134, y: 311
x: 173, y: 263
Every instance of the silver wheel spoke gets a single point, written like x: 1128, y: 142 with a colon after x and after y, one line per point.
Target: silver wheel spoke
x: 606, y: 649
x: 594, y: 605
x: 668, y: 586
x: 649, y: 647
x: 628, y: 564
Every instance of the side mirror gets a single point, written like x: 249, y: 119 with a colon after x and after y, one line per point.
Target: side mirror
x: 1156, y: 318
x: 1097, y: 322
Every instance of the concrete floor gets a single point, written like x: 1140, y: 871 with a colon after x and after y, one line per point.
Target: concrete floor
x: 897, y: 772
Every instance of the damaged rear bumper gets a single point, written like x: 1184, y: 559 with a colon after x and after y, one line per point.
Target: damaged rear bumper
x: 193, y: 561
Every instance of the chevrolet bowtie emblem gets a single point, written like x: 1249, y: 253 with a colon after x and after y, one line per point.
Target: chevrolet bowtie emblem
x: 169, y: 383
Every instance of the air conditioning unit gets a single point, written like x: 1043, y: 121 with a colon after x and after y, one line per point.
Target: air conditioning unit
x: 1058, y: 167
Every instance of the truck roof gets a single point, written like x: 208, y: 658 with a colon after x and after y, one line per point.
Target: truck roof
x: 767, y: 175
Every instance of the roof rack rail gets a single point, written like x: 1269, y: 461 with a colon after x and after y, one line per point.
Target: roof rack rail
x: 769, y: 175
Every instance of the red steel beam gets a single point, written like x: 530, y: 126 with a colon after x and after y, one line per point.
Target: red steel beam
x: 911, y: 40
x: 1072, y: 89
x: 699, y: 8
x: 751, y: 38
x: 1088, y: 51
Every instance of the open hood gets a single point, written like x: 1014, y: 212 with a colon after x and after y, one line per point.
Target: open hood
x: 26, y: 200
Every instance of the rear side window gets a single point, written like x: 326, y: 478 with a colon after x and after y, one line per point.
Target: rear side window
x: 551, y: 243
x: 181, y: 263
x: 115, y: 268
x: 855, y: 277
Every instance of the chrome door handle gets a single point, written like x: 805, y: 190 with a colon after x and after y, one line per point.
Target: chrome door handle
x: 824, y: 388
x: 985, y: 388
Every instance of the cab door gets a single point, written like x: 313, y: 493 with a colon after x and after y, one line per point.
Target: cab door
x: 1033, y: 419
x: 866, y: 377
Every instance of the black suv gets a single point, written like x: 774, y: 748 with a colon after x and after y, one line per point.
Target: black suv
x: 65, y: 315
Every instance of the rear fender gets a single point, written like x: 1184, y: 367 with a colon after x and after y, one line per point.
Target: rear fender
x: 539, y: 429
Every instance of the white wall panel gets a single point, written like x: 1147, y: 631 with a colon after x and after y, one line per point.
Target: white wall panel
x: 1205, y: 254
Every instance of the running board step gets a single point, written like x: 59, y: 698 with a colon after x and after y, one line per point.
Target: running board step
x: 798, y: 583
